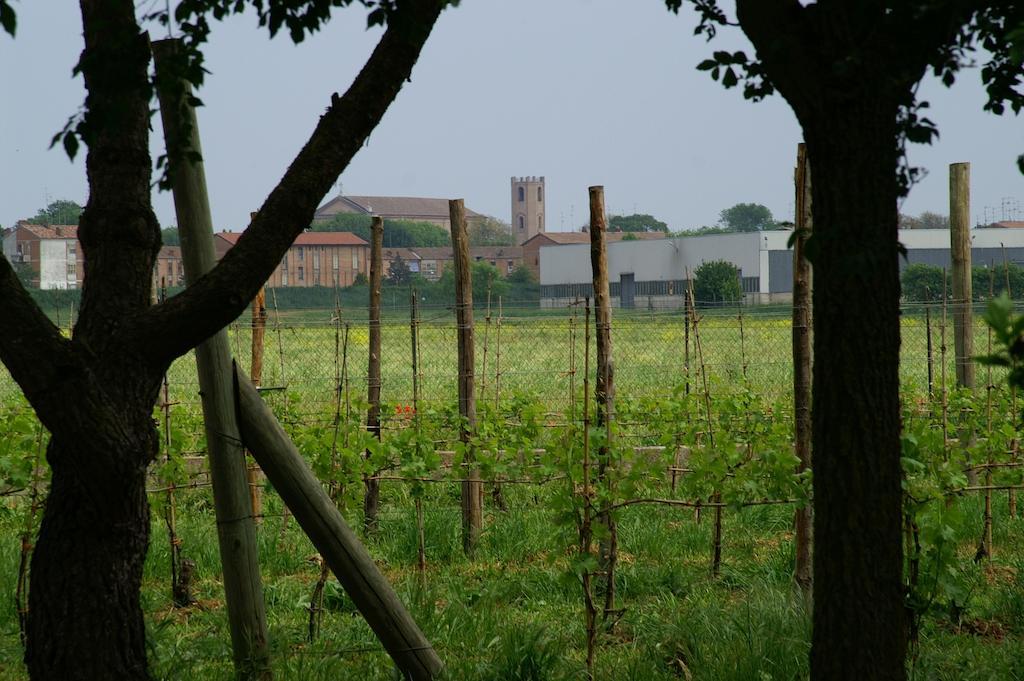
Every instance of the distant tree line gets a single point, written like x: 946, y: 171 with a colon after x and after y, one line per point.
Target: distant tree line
x: 923, y: 283
x: 411, y: 233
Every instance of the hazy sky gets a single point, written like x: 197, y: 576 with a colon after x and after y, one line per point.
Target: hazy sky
x: 580, y: 91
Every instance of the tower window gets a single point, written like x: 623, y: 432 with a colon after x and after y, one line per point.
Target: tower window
x: 522, y: 222
x: 540, y: 223
x: 522, y: 194
x: 540, y: 193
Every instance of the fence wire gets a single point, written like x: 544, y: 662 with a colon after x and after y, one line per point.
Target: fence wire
x: 310, y: 355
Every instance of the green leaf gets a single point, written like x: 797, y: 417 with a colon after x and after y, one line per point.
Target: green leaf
x: 8, y: 20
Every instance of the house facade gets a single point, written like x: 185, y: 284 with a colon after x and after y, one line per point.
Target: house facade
x: 169, y: 271
x: 314, y: 259
x: 50, y: 254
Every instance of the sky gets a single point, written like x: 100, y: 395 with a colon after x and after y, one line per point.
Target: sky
x: 582, y: 92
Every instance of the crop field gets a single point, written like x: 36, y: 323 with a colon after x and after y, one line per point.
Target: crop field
x: 693, y: 469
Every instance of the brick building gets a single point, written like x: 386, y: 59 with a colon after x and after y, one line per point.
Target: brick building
x: 50, y: 254
x: 315, y: 259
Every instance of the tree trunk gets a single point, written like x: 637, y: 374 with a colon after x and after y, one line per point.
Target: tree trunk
x: 859, y: 617
x: 85, y: 619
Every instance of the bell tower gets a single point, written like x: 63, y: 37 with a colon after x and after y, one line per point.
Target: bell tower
x: 528, y: 199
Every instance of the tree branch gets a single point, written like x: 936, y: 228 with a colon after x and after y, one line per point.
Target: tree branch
x: 172, y: 328
x: 31, y: 347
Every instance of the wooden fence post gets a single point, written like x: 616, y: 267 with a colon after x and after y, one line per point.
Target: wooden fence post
x: 235, y: 530
x: 259, y: 328
x: 371, y: 499
x: 960, y: 236
x: 802, y: 364
x: 604, y: 385
x: 472, y: 514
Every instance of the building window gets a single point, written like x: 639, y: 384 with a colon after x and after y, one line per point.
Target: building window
x: 522, y: 223
x: 511, y: 266
x: 302, y: 273
x: 540, y: 194
x: 71, y: 269
x: 302, y: 253
x: 494, y: 263
x: 522, y: 194
x: 335, y: 261
x: 540, y: 223
x: 355, y: 261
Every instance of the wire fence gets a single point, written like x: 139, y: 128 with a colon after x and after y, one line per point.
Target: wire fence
x: 309, y: 356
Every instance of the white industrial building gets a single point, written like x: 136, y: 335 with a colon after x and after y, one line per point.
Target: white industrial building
x: 654, y: 273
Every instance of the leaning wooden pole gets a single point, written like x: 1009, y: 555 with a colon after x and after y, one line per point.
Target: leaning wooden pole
x: 803, y: 574
x: 235, y: 529
x: 604, y: 391
x: 960, y: 243
x: 472, y: 514
x: 323, y: 523
x: 371, y: 497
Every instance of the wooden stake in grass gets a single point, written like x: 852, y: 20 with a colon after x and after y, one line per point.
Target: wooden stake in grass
x: 928, y: 348
x: 235, y: 529
x: 604, y: 389
x: 371, y: 499
x: 472, y: 515
x: 985, y: 548
x: 960, y: 236
x: 259, y: 327
x: 586, y: 548
x: 1014, y: 445
x: 414, y: 336
x: 716, y: 496
x: 803, y: 521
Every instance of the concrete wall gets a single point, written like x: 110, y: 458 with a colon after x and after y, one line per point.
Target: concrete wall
x: 653, y: 260
x: 53, y: 265
x: 764, y: 255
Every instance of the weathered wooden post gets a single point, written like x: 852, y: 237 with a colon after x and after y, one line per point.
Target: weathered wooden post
x: 259, y: 328
x: 960, y: 242
x: 323, y: 523
x: 604, y: 385
x: 472, y: 514
x: 371, y: 499
x: 235, y: 530
x: 802, y: 364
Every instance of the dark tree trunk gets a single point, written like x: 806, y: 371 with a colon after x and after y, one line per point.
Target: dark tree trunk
x: 96, y: 393
x: 859, y: 627
x: 85, y: 620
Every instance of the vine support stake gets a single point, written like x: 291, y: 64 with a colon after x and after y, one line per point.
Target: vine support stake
x: 472, y: 514
x: 604, y: 386
x: 960, y: 250
x: 802, y: 320
x: 236, y: 531
x: 371, y: 497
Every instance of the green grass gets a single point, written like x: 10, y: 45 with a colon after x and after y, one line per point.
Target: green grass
x: 513, y: 613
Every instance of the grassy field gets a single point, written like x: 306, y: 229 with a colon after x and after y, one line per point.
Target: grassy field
x: 512, y: 614
x: 516, y: 611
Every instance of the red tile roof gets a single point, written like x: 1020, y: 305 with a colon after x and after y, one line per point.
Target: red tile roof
x: 50, y: 231
x: 309, y: 239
